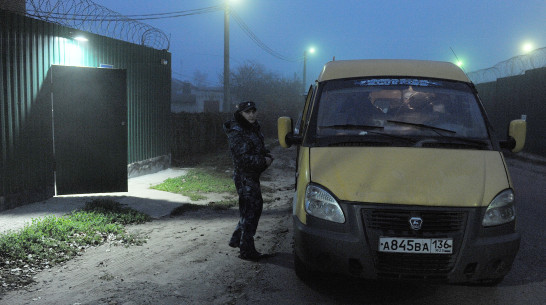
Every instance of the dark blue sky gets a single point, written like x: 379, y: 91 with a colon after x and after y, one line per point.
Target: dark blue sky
x: 481, y: 32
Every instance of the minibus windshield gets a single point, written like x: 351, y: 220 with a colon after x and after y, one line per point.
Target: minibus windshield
x: 403, y: 107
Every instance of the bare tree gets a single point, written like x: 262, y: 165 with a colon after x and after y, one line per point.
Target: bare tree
x: 274, y: 95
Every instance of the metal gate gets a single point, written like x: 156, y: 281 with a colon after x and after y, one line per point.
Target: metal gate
x: 89, y: 129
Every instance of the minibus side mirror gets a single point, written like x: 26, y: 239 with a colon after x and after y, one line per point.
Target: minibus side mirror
x: 517, y: 131
x: 284, y: 132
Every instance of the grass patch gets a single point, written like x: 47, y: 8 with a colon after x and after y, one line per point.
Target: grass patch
x: 115, y: 212
x: 197, y: 182
x: 48, y: 241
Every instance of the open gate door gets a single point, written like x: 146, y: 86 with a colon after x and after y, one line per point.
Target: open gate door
x: 89, y: 129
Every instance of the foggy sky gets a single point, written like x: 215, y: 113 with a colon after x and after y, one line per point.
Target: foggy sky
x: 482, y: 33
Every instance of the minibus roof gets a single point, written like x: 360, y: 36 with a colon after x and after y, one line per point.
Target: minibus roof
x: 391, y: 67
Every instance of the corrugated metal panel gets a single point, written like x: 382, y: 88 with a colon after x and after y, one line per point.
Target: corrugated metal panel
x: 28, y: 48
x: 27, y: 161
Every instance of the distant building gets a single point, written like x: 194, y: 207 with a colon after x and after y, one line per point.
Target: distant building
x: 189, y: 98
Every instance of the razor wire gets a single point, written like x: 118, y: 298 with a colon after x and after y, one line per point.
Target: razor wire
x: 514, y: 66
x: 85, y: 15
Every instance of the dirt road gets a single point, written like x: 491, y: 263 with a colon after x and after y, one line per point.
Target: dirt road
x: 186, y: 259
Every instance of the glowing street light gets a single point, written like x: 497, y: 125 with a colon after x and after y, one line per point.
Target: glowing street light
x: 311, y: 50
x: 527, y: 47
x: 459, y: 63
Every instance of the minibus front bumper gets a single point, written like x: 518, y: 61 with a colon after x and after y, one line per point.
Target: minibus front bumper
x: 479, y: 254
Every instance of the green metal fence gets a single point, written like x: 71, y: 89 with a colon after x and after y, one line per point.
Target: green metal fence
x: 508, y: 98
x: 28, y: 48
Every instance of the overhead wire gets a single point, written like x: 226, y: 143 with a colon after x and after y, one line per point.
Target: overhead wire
x: 258, y: 42
x: 210, y: 8
x: 60, y: 16
x: 137, y: 17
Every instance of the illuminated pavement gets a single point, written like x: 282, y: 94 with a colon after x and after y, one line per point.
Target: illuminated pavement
x: 139, y: 197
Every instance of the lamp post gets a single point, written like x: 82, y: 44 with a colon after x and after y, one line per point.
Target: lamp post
x: 304, y: 81
x: 226, y: 107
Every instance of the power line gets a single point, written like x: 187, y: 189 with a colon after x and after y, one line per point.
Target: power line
x: 210, y: 8
x: 258, y: 42
x: 138, y: 17
x: 109, y: 16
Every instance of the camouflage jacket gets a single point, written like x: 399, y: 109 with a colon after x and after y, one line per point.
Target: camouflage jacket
x: 246, y: 143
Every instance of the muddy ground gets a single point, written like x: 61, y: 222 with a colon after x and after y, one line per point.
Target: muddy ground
x: 186, y: 259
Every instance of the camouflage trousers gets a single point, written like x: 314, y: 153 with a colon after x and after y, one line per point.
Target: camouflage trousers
x: 250, y: 207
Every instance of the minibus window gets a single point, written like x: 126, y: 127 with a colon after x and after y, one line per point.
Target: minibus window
x: 416, y: 108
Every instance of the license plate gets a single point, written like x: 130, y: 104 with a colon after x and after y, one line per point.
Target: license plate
x: 416, y: 245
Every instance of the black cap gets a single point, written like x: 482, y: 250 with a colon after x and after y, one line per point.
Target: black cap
x: 244, y: 106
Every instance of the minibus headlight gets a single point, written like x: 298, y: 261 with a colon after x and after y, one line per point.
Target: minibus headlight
x: 500, y: 210
x: 321, y: 204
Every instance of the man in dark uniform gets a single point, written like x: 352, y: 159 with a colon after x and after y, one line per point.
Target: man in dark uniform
x: 250, y: 159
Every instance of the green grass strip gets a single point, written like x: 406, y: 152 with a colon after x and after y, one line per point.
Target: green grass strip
x: 197, y: 182
x: 55, y: 239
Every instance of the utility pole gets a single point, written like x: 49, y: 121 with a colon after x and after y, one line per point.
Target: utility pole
x: 304, y: 81
x: 227, y: 105
x: 304, y: 72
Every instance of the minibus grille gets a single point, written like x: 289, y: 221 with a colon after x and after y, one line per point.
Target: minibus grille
x: 394, y: 222
x: 397, y: 221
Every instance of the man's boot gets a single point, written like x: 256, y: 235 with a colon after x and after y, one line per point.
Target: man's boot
x: 235, y: 238
x: 248, y: 251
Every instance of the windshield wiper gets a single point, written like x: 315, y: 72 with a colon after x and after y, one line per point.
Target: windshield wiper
x: 351, y: 127
x: 433, y: 128
x: 446, y: 139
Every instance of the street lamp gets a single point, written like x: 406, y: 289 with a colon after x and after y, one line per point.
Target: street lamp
x: 527, y: 47
x: 311, y: 50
